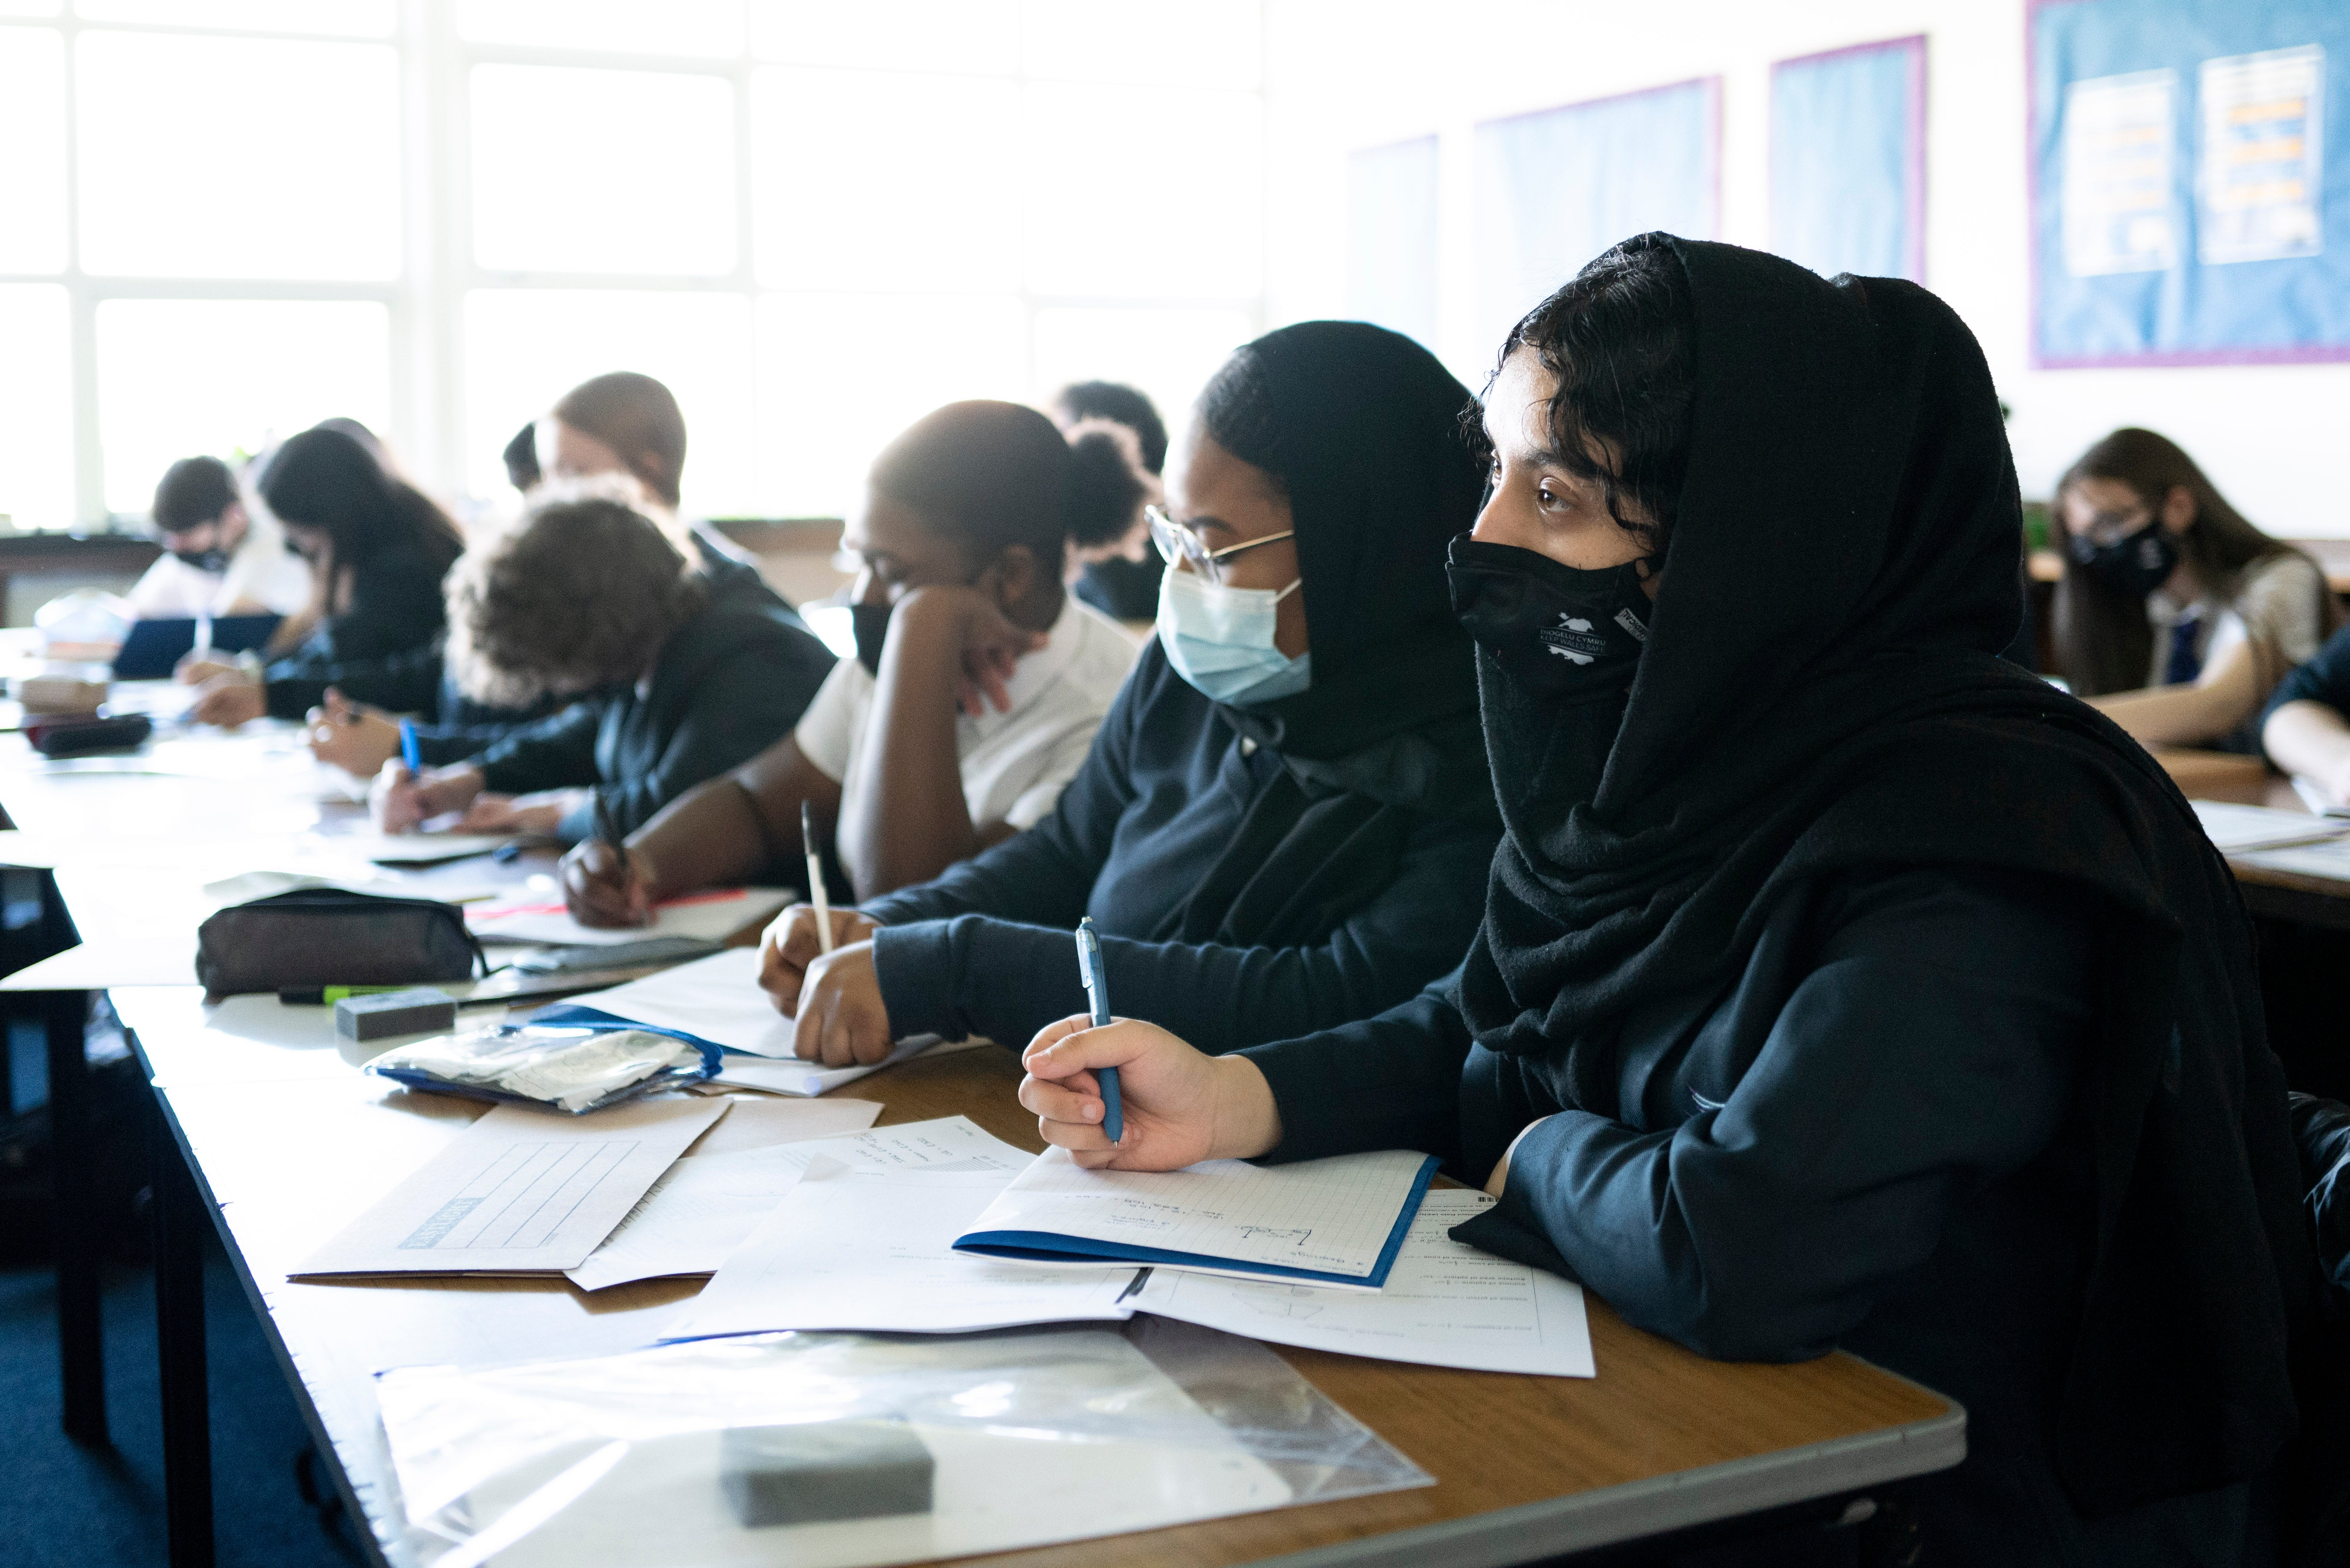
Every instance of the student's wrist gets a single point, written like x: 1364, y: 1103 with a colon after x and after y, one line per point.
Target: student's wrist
x: 1247, y: 1119
x: 929, y: 617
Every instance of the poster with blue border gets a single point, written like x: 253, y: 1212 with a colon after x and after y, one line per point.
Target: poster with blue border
x: 1556, y: 187
x: 1848, y: 160
x: 2190, y: 180
x: 1391, y: 231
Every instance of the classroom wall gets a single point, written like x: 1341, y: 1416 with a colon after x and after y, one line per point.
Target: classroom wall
x: 1347, y: 74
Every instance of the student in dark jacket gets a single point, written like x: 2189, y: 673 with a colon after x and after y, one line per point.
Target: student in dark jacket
x: 1284, y: 817
x: 618, y: 425
x: 2307, y: 730
x: 692, y: 674
x: 378, y: 550
x: 1839, y: 984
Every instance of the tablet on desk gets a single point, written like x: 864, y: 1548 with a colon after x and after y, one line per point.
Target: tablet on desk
x: 154, y: 647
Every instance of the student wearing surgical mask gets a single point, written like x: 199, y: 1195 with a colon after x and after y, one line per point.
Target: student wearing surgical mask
x: 974, y: 696
x: 1285, y: 818
x: 1839, y: 984
x: 2175, y: 615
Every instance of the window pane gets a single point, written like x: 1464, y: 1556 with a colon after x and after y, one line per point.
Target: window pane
x: 349, y: 18
x: 30, y: 7
x: 1190, y: 43
x: 874, y: 180
x: 280, y: 159
x: 618, y: 172
x: 839, y: 375
x: 978, y: 36
x: 1168, y: 354
x: 37, y: 445
x: 1142, y: 194
x: 176, y: 377
x: 671, y: 28
x: 526, y: 347
x: 33, y: 130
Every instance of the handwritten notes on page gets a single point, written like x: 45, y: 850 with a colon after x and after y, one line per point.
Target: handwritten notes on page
x: 848, y: 1248
x: 1337, y: 1221
x: 522, y: 1190
x: 1445, y: 1305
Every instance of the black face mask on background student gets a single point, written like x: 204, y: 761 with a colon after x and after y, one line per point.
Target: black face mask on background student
x: 869, y: 624
x: 2136, y: 565
x: 214, y: 560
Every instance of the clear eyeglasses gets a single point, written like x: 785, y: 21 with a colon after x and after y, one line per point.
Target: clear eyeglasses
x: 1179, y: 544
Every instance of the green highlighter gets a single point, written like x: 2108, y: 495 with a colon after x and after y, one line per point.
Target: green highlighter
x: 327, y: 995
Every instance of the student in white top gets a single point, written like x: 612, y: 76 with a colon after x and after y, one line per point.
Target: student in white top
x: 2175, y: 615
x: 974, y: 695
x: 220, y: 557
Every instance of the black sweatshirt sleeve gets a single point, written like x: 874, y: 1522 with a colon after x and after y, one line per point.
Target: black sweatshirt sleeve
x: 557, y: 752
x: 384, y: 650
x: 2324, y: 679
x: 1388, y: 1082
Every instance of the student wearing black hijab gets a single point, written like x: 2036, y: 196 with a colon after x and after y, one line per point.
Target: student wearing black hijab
x: 1284, y: 816
x: 1839, y: 984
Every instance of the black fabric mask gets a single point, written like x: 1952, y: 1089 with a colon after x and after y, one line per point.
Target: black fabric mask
x: 2137, y: 564
x: 869, y: 624
x: 1558, y: 631
x: 214, y: 560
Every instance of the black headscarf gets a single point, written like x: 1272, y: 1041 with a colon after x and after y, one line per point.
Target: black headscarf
x: 1361, y: 426
x: 1820, y: 693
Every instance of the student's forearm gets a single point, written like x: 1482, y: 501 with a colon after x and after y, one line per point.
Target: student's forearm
x: 710, y: 836
x: 2188, y: 715
x: 903, y: 814
x: 2310, y: 739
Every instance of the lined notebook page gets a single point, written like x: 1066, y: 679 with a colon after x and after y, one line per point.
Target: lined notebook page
x: 1331, y: 1216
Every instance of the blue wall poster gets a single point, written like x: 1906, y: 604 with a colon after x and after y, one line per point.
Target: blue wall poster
x: 1848, y: 160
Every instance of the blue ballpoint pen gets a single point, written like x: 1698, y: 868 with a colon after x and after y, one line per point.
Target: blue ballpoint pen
x: 1089, y: 970
x: 408, y: 746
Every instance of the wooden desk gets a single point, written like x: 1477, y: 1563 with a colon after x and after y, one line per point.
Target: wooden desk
x: 273, y: 1138
x: 1526, y: 1467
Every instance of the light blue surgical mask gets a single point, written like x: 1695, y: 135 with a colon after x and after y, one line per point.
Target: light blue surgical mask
x: 1220, y: 638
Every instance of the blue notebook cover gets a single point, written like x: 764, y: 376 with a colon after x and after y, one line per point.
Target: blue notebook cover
x: 1045, y: 1246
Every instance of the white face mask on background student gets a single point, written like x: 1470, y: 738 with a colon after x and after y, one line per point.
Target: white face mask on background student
x: 1220, y: 638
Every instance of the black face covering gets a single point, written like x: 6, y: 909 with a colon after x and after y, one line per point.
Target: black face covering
x: 869, y: 624
x: 1555, y: 630
x: 2137, y: 564
x: 214, y: 560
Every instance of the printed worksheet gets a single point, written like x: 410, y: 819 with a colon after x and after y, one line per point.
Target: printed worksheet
x: 1445, y: 1305
x: 873, y: 1250
x: 523, y: 1191
x: 706, y: 1205
x: 1332, y: 1221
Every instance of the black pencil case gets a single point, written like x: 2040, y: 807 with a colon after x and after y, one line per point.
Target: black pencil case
x: 326, y: 936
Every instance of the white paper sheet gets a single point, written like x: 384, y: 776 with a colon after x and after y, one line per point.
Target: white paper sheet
x: 2238, y: 827
x: 1445, y: 1305
x: 705, y: 1206
x: 418, y: 848
x: 2330, y: 859
x: 1331, y: 1216
x: 790, y: 1076
x: 873, y: 1251
x: 711, y: 916
x: 522, y: 1190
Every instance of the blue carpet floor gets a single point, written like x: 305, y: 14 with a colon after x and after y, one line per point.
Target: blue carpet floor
x: 64, y: 1505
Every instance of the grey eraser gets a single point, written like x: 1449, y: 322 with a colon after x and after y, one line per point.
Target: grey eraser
x: 423, y: 1011
x: 823, y: 1471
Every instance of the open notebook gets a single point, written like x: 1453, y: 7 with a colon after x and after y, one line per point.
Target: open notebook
x: 1338, y: 1221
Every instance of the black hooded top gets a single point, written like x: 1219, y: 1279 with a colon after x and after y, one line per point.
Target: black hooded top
x: 1820, y: 735
x: 1262, y: 870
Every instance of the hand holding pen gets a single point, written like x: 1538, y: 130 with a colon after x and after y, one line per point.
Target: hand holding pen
x: 1097, y: 985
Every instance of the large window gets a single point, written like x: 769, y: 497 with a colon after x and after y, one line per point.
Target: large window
x: 227, y: 219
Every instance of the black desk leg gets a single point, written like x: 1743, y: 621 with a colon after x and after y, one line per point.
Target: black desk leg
x: 179, y: 1226
x: 82, y: 1355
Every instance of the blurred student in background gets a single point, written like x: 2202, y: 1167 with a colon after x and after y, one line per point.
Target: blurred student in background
x: 1119, y: 575
x: 674, y: 673
x: 2175, y: 615
x: 1286, y: 820
x: 2306, y: 730
x: 219, y: 558
x: 377, y: 550
x: 974, y: 695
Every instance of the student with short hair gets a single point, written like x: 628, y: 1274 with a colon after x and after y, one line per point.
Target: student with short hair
x: 1285, y: 818
x: 974, y: 696
x: 1839, y: 984
x: 219, y: 558
x: 377, y: 549
x: 1120, y: 576
x: 2175, y: 615
x: 2306, y: 728
x: 680, y: 674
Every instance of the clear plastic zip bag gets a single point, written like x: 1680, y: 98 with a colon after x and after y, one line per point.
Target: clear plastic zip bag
x: 570, y: 1067
x: 840, y: 1451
